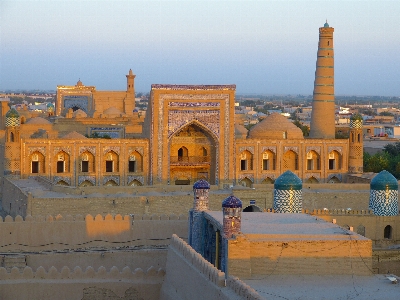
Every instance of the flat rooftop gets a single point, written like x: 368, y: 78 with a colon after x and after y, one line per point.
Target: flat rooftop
x: 327, y: 287
x: 286, y: 227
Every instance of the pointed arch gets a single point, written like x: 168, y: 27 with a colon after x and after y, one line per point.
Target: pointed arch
x: 86, y: 183
x: 135, y: 182
x: 111, y: 162
x: 62, y: 182
x: 246, y: 182
x: 290, y: 161
x: 111, y: 183
x: 312, y: 179
x: 268, y: 180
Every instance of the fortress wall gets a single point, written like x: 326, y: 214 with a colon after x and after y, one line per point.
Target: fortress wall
x: 190, y: 276
x: 295, y: 256
x: 77, y: 283
x: 14, y: 200
x: 59, y: 233
x: 178, y: 203
x: 133, y: 258
x: 386, y: 261
x: 365, y: 223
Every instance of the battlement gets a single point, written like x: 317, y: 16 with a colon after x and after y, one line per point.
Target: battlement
x: 334, y: 212
x: 78, y: 274
x: 89, y: 217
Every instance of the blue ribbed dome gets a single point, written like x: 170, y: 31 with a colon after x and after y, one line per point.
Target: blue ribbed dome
x: 232, y: 202
x: 12, y: 113
x: 326, y: 25
x: 201, y: 184
x: 384, y: 181
x: 288, y: 181
x: 49, y: 105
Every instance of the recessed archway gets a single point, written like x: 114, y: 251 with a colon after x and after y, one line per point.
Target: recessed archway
x: 252, y: 208
x: 192, y: 155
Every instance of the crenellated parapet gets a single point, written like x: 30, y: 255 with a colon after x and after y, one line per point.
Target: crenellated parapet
x: 77, y: 273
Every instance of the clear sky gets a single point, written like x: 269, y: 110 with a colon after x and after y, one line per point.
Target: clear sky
x: 264, y: 47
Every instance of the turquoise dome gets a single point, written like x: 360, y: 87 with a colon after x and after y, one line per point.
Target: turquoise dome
x: 384, y: 181
x: 12, y: 113
x: 288, y: 181
x: 326, y: 25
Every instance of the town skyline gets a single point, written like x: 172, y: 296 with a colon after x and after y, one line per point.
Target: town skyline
x: 262, y: 47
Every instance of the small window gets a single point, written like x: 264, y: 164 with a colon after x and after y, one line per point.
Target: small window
x: 331, y: 164
x: 35, y: 167
x: 243, y: 165
x: 328, y: 43
x: 387, y: 233
x: 265, y: 164
x: 11, y: 137
x: 310, y: 163
x: 60, y: 167
x: 132, y: 166
x: 85, y: 166
x: 109, y: 166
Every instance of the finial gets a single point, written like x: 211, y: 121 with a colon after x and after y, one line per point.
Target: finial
x: 326, y: 23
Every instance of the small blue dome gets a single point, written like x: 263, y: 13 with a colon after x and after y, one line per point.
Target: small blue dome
x: 384, y: 181
x: 288, y: 181
x: 135, y: 110
x: 326, y: 25
x: 201, y: 184
x: 49, y: 105
x: 232, y: 202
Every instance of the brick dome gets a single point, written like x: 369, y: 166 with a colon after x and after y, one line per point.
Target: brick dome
x: 276, y: 127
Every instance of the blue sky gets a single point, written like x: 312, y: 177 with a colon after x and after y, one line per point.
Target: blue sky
x: 264, y: 47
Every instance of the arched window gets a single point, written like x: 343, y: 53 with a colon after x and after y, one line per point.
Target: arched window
x: 87, y: 162
x: 135, y: 163
x: 328, y: 43
x: 334, y: 160
x: 387, y: 232
x: 268, y: 162
x: 246, y: 161
x: 11, y: 137
x: 61, y: 162
x: 290, y: 161
x: 313, y: 161
x: 183, y: 154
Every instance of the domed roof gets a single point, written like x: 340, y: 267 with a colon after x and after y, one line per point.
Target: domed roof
x: 12, y: 113
x: 135, y: 110
x: 74, y: 136
x: 37, y: 120
x: 276, y: 127
x: 49, y: 105
x: 232, y: 202
x: 288, y: 181
x: 240, y: 131
x: 79, y: 113
x: 384, y: 181
x: 113, y: 112
x: 201, y: 184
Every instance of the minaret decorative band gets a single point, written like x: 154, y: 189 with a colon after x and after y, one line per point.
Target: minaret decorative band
x: 383, y: 198
x: 356, y: 145
x: 323, y: 105
x: 288, y: 193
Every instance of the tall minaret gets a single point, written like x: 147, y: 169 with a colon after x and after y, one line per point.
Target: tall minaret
x: 323, y: 105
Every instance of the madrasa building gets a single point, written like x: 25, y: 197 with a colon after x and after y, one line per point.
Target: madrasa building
x: 188, y: 133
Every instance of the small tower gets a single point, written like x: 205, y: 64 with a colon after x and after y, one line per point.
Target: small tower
x: 50, y: 109
x: 12, y: 144
x: 383, y: 197
x: 201, y: 189
x: 129, y: 101
x: 356, y: 144
x: 288, y: 193
x: 232, y: 216
x: 323, y: 105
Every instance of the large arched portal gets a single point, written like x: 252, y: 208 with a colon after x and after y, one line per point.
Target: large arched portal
x: 192, y: 151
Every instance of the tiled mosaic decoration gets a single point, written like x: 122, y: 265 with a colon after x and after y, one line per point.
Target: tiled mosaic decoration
x: 384, y: 203
x: 288, y: 201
